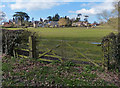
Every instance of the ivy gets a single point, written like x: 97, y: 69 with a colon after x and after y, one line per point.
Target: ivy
x: 111, y: 50
x: 12, y: 39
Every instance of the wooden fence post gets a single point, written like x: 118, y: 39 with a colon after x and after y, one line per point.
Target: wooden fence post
x: 32, y: 47
x: 108, y: 58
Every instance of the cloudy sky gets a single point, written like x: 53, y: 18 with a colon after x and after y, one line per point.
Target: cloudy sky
x: 43, y: 9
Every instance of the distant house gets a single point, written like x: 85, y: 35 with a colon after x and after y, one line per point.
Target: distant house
x: 53, y: 24
x: 40, y: 24
x: 36, y: 24
x: 85, y: 24
x: 45, y: 24
x: 2, y: 23
x: 77, y: 24
x: 81, y: 24
x: 74, y: 25
x: 7, y: 24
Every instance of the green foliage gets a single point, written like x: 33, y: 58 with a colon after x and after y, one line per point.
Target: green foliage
x: 12, y: 39
x: 77, y: 19
x: 64, y: 22
x: 21, y: 16
x: 35, y: 73
x: 69, y: 63
x: 110, y: 48
x: 56, y: 17
x: 49, y: 18
x: 6, y: 67
x: 113, y: 22
x: 56, y: 62
x: 89, y: 68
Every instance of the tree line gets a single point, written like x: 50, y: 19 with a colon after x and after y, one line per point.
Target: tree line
x: 22, y: 18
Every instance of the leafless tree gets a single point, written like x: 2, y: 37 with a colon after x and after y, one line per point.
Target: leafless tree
x: 2, y: 16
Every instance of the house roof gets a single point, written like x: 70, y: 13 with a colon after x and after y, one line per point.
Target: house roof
x: 53, y: 22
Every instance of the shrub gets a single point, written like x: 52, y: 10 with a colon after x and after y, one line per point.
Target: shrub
x: 111, y: 50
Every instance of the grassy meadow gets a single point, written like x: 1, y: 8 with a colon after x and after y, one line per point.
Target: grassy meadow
x: 73, y: 33
x: 79, y: 38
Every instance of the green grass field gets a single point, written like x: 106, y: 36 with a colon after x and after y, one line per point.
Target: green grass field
x: 79, y: 38
x: 74, y: 33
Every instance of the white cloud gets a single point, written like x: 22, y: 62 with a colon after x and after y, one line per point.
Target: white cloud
x: 88, y: 4
x: 96, y: 8
x: 85, y: 11
x: 30, y: 5
x: 2, y: 6
x: 43, y: 4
